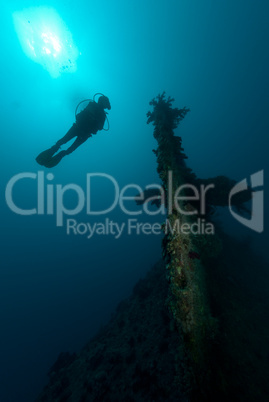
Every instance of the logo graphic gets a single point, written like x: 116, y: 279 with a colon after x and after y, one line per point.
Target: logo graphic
x: 54, y: 199
x: 256, y: 222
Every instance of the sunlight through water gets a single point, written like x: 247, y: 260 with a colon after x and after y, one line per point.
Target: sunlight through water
x: 46, y: 39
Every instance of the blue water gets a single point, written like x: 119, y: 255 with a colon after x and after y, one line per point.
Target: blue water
x: 56, y: 290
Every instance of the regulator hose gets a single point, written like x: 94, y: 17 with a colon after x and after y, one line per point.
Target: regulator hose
x: 85, y: 100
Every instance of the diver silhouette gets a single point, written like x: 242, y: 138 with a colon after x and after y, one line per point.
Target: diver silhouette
x: 88, y: 122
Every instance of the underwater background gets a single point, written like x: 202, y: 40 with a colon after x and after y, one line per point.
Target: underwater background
x: 57, y: 290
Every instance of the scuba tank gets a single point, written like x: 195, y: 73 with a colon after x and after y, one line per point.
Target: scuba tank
x: 92, y: 100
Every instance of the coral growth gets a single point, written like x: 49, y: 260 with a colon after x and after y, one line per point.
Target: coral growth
x: 186, y: 254
x: 187, y: 300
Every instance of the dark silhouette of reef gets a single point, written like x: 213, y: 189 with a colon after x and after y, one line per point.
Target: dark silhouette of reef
x: 138, y: 355
x: 196, y: 328
x: 131, y: 359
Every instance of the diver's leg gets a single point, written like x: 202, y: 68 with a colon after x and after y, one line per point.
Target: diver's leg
x: 58, y: 157
x: 46, y: 158
x: 73, y: 132
x: 75, y: 145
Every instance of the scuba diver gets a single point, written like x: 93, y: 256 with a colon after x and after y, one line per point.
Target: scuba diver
x: 88, y: 122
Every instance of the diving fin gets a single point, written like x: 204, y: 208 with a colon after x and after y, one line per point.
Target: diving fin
x: 44, y: 157
x: 54, y: 160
